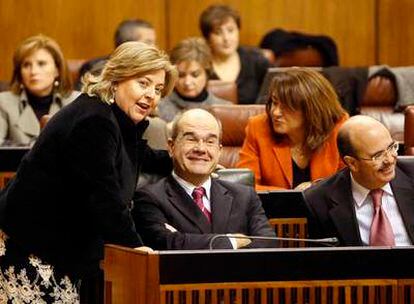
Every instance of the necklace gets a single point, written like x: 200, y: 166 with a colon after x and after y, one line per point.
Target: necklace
x: 298, y: 151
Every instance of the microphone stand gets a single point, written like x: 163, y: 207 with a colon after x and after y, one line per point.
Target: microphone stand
x: 333, y: 241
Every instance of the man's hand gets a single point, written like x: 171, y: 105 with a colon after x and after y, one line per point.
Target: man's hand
x: 144, y: 249
x: 170, y: 228
x: 241, y: 241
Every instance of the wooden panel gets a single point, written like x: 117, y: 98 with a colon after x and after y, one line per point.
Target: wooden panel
x: 295, y: 228
x: 396, y: 32
x: 329, y: 17
x: 322, y: 292
x: 84, y: 29
x: 131, y: 270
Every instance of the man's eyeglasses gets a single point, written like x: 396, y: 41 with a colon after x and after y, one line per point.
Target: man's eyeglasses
x: 382, y: 155
x: 192, y: 140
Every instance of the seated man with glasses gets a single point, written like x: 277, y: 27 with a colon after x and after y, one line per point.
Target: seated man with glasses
x: 371, y: 202
x: 189, y: 209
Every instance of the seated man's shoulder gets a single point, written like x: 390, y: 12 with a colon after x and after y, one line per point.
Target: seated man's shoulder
x: 156, y: 188
x: 322, y: 187
x: 234, y: 187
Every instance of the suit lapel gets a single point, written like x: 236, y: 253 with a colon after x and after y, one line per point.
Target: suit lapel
x: 185, y: 204
x: 283, y: 156
x: 402, y: 188
x: 221, y: 204
x: 343, y: 212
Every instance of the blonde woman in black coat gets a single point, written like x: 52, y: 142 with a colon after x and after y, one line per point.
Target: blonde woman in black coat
x: 72, y: 192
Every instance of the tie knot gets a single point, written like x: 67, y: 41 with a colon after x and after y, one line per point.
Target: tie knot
x: 376, y: 195
x: 198, y: 193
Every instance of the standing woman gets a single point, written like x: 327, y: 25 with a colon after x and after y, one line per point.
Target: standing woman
x: 220, y: 25
x: 40, y: 85
x: 72, y: 192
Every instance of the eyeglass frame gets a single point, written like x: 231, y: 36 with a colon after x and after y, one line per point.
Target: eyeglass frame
x: 381, y: 155
x: 190, y: 139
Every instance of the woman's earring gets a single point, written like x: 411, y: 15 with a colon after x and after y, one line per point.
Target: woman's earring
x: 112, y: 99
x: 56, y: 83
x: 21, y: 86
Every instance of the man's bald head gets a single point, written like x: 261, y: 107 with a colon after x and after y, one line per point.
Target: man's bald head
x: 355, y: 130
x: 369, y: 151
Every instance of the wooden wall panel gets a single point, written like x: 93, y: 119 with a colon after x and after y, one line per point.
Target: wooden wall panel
x: 396, y: 32
x: 84, y: 29
x: 350, y: 23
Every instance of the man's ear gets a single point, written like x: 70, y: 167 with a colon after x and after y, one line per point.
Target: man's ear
x: 170, y: 146
x: 351, y: 163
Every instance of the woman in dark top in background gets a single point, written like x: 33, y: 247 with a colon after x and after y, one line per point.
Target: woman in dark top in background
x: 72, y: 192
x: 220, y: 26
x: 40, y: 85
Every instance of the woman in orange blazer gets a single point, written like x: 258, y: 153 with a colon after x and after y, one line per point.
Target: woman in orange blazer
x: 294, y: 142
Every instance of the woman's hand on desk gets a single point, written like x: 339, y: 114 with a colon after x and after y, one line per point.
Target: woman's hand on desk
x: 144, y: 249
x: 303, y: 186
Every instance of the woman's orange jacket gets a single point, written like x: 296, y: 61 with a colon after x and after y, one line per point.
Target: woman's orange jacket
x: 271, y: 161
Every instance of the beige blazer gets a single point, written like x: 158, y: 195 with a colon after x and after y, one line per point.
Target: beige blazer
x: 18, y: 122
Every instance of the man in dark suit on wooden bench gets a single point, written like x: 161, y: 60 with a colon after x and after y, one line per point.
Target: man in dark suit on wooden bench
x: 187, y: 209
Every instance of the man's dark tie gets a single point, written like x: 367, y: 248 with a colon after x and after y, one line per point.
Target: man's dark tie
x: 198, y: 194
x: 381, y: 231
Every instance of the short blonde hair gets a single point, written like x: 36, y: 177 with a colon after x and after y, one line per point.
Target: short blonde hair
x: 28, y: 47
x: 192, y: 49
x: 129, y: 60
x: 306, y: 90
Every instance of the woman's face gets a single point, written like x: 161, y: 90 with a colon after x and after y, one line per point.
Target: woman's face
x: 284, y: 120
x: 138, y: 96
x: 224, y: 39
x: 38, y: 72
x: 192, y: 78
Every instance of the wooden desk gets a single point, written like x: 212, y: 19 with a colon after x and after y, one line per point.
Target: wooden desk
x: 303, y: 275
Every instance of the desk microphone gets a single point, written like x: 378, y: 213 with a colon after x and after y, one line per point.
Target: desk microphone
x: 332, y: 241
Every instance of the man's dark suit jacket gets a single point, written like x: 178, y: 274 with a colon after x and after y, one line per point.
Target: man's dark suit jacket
x: 331, y: 205
x: 72, y: 190
x: 235, y: 209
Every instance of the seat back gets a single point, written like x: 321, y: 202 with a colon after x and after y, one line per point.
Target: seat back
x: 224, y: 89
x: 409, y: 130
x: 241, y: 176
x: 407, y: 164
x: 307, y: 57
x: 4, y: 86
x: 74, y: 66
x: 234, y: 120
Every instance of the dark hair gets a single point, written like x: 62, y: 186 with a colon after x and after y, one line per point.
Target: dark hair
x: 28, y: 47
x: 124, y: 31
x: 306, y: 90
x: 216, y: 15
x: 343, y: 141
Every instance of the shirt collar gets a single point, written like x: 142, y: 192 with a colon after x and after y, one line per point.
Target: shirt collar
x: 360, y: 193
x: 189, y: 187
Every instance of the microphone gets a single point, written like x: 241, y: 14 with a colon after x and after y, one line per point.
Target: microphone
x: 330, y: 241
